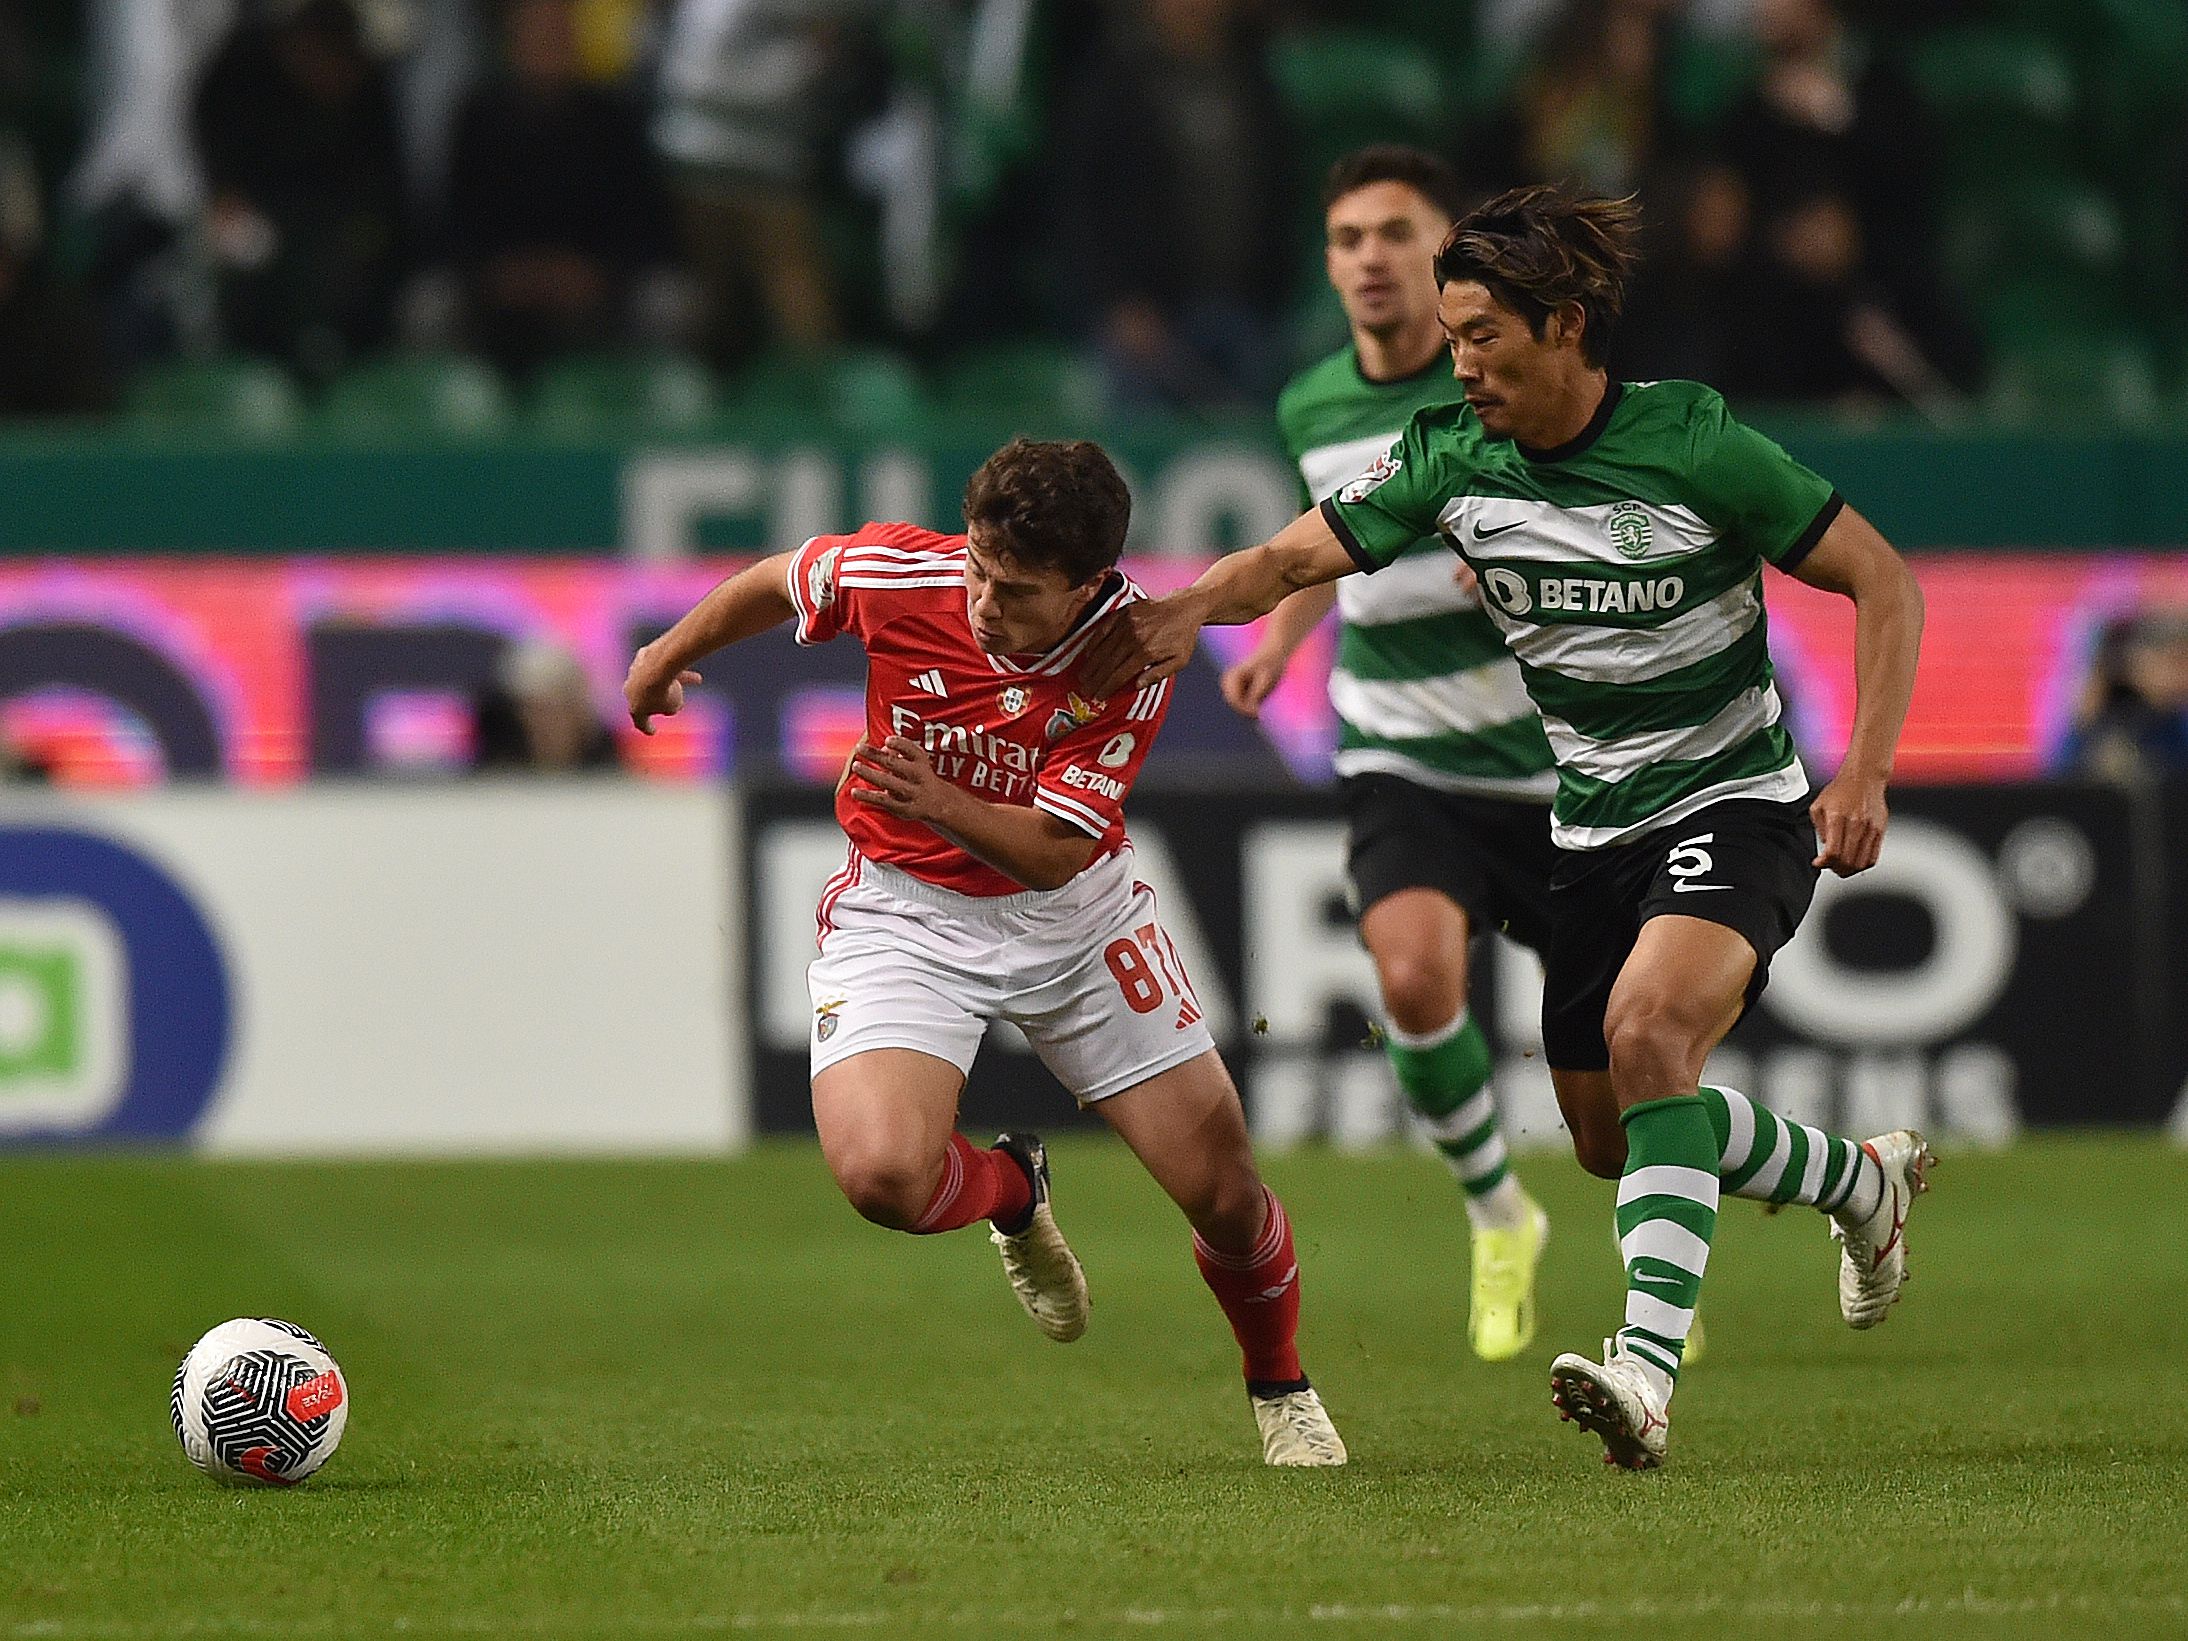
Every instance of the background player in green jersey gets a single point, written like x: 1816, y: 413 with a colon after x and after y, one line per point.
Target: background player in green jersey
x: 1619, y: 533
x: 1446, y: 772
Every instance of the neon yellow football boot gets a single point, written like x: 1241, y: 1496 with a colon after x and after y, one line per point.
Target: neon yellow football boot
x: 1500, y: 1323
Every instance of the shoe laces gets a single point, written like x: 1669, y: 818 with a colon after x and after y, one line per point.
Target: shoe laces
x: 1306, y: 1420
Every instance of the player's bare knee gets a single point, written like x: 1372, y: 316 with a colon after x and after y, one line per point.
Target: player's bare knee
x: 1419, y: 990
x: 887, y: 1190
x: 1600, y: 1150
x: 1229, y: 1213
x: 1654, y: 1044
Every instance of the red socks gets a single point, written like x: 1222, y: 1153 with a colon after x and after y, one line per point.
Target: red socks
x: 1259, y: 1292
x: 976, y: 1184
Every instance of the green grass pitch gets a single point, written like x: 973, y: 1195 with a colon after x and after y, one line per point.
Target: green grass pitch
x: 695, y: 1398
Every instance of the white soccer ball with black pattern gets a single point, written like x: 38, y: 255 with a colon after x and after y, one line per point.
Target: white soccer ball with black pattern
x: 258, y: 1400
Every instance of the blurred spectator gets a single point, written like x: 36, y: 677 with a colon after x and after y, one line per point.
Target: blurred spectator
x: 296, y: 128
x: 752, y: 93
x: 24, y: 765
x: 138, y: 182
x: 553, y: 206
x: 1174, y: 194
x: 538, y: 716
x: 51, y: 361
x: 1817, y: 329
x: 1692, y: 311
x: 2133, y: 722
x: 1589, y: 107
x: 1834, y: 146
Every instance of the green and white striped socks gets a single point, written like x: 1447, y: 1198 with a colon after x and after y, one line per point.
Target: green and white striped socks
x: 1667, y: 1213
x: 1770, y: 1158
x: 1445, y: 1076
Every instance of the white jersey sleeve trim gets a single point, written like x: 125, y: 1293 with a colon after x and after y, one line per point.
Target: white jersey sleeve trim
x: 1069, y: 811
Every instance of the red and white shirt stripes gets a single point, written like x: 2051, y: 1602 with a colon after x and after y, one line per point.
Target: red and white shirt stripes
x: 1008, y: 729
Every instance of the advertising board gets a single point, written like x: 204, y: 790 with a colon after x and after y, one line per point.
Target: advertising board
x: 372, y: 969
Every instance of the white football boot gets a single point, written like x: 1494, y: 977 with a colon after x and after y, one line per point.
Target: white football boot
x: 1296, y: 1430
x: 1618, y: 1400
x: 1873, y: 1249
x: 1044, y: 1273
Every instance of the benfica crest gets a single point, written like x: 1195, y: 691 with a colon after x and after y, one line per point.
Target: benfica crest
x: 1076, y: 712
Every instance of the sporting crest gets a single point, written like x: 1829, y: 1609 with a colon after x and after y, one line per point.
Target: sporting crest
x: 1630, y: 529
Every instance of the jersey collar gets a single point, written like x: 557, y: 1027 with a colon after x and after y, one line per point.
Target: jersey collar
x: 1439, y: 363
x: 1586, y: 436
x: 1119, y: 591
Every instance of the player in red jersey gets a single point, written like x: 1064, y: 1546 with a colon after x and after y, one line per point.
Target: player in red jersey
x: 989, y: 877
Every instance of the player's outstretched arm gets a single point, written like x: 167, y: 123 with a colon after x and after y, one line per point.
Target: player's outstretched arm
x: 1253, y: 680
x: 1855, y: 561
x: 748, y: 603
x: 1154, y: 637
x: 1024, y: 844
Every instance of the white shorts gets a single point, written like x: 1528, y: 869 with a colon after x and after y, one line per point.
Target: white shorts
x: 1085, y: 971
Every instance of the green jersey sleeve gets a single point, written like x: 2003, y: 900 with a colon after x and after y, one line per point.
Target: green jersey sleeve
x: 1378, y: 515
x: 1750, y: 489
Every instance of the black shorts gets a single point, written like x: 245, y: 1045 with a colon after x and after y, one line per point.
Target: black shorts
x: 1744, y: 863
x: 1490, y: 855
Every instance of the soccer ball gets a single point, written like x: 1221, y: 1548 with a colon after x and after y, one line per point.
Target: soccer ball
x: 258, y: 1400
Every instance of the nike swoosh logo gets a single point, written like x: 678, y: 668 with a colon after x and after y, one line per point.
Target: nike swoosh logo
x: 1482, y: 534
x: 1685, y: 888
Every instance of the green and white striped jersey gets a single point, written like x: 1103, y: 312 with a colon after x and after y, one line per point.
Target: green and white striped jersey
x: 1625, y: 571
x: 1423, y: 686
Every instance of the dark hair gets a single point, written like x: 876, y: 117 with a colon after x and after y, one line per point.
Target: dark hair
x: 1061, y: 506
x: 1425, y: 173
x: 1538, y: 248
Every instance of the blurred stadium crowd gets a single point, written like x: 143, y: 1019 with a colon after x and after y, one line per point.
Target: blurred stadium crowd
x: 241, y: 208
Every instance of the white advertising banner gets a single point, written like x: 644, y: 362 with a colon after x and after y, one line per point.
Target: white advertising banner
x: 485, y: 968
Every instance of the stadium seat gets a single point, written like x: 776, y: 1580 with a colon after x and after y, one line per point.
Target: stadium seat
x: 2076, y: 375
x: 2006, y: 100
x: 1705, y: 76
x: 2038, y: 224
x: 1044, y: 380
x: 637, y: 392
x: 1995, y: 74
x: 1350, y: 87
x: 2022, y: 308
x: 419, y: 395
x: 856, y: 390
x: 225, y: 398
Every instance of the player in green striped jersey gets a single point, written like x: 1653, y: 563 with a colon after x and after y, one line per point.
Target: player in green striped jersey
x: 1446, y: 772
x: 1619, y: 532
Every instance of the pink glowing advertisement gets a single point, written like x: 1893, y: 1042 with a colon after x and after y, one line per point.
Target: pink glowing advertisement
x: 120, y: 673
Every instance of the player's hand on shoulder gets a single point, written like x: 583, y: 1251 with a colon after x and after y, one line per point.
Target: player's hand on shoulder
x: 1148, y: 639
x: 1850, y: 816
x: 651, y: 692
x: 1467, y: 581
x: 1252, y: 681
x: 899, y: 776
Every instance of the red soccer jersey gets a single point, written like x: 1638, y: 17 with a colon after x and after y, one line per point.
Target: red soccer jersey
x: 1006, y: 730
